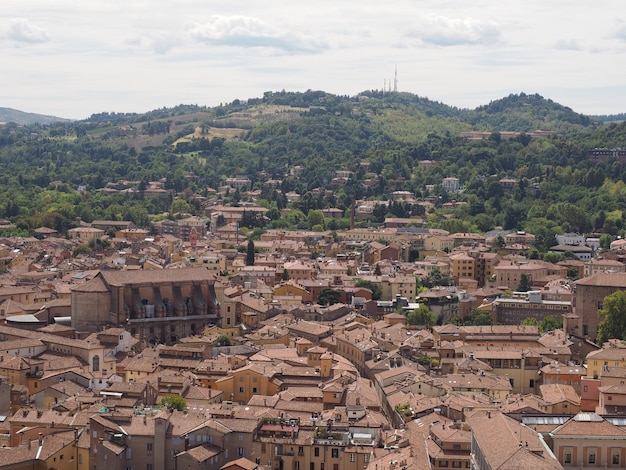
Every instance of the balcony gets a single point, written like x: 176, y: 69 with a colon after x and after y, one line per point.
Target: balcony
x: 324, y: 437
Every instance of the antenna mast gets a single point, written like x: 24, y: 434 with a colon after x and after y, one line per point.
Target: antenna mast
x: 395, y: 79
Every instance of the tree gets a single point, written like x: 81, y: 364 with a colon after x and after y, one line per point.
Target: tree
x: 222, y: 340
x: 422, y: 316
x: 315, y: 217
x: 524, y: 283
x: 285, y: 275
x: 436, y: 278
x: 612, y: 317
x: 180, y: 206
x: 605, y: 241
x: 375, y: 288
x: 175, y: 402
x: 250, y: 253
x: 480, y: 318
x: 550, y: 324
x: 328, y: 296
x: 529, y: 321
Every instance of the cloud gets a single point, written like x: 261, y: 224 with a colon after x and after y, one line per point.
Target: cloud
x: 620, y: 32
x: 250, y: 32
x: 164, y: 43
x: 22, y: 30
x: 568, y: 45
x: 444, y: 31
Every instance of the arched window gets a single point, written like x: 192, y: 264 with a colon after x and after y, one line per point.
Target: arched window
x: 96, y: 363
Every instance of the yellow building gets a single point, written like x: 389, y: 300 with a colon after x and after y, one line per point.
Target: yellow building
x: 462, y: 266
x: 242, y: 384
x: 85, y: 234
x: 604, y: 359
x: 439, y: 243
x: 292, y: 288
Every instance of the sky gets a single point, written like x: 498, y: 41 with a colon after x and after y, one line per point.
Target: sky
x: 74, y: 58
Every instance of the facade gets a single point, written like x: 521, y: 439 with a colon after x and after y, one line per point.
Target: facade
x: 509, y: 275
x: 451, y: 185
x: 589, y: 298
x: 522, y: 305
x: 156, y: 442
x: 589, y: 441
x: 594, y: 266
x: 85, y: 234
x: 156, y: 305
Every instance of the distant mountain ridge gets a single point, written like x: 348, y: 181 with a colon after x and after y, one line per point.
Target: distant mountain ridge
x: 522, y: 112
x: 23, y: 118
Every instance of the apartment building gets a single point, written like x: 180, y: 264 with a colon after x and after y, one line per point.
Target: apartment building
x: 589, y: 297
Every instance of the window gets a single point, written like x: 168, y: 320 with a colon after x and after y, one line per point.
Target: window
x: 316, y: 452
x: 334, y: 453
x: 263, y: 448
x: 615, y: 458
x: 149, y: 466
x: 149, y: 448
x: 366, y: 458
x: 567, y: 458
x: 242, y: 389
x: 443, y: 463
x: 255, y: 390
x: 585, y: 389
x: 591, y: 457
x: 300, y: 451
x: 531, y: 383
x: 240, y: 437
x: 241, y: 451
x: 353, y: 457
x: 296, y: 465
x: 456, y: 464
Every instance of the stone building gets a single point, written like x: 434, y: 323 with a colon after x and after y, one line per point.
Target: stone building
x: 155, y: 305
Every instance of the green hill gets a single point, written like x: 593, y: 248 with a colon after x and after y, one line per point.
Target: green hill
x: 20, y: 117
x: 384, y: 142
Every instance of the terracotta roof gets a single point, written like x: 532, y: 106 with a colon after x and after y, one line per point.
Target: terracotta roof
x: 589, y: 425
x: 604, y: 279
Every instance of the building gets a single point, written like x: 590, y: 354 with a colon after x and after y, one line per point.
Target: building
x: 451, y: 185
x: 589, y: 299
x: 589, y: 441
x: 519, y: 306
x: 500, y: 442
x: 155, y: 305
x: 594, y: 266
x: 85, y: 234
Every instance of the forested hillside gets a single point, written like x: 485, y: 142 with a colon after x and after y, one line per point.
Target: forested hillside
x: 55, y: 173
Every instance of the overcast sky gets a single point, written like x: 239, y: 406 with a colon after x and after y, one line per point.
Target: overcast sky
x: 72, y: 58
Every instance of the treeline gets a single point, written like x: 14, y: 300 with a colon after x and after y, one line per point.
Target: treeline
x: 386, y: 141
